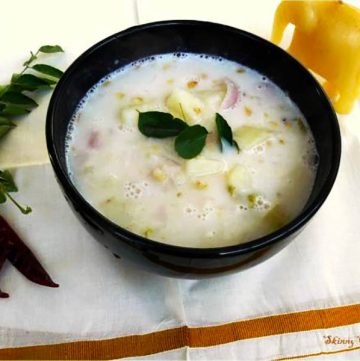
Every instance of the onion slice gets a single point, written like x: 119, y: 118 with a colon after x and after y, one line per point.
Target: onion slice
x: 232, y: 95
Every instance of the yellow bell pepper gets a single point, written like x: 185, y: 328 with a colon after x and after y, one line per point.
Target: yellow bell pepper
x: 326, y: 40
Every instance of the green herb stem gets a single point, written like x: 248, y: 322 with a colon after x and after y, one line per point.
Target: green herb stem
x: 182, y: 112
x: 23, y: 210
x: 30, y: 60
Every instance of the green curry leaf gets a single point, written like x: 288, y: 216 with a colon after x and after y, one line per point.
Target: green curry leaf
x: 225, y: 135
x: 14, y: 110
x: 19, y: 99
x: 7, y: 182
x: 48, y: 70
x: 50, y: 49
x: 31, y: 82
x: 191, y: 141
x: 160, y: 125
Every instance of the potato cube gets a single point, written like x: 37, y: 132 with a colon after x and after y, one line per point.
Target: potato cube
x: 247, y: 137
x: 186, y: 106
x: 129, y: 115
x: 212, y: 98
x: 238, y: 180
x: 199, y: 167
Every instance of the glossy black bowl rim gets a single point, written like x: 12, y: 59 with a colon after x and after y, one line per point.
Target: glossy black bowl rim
x: 188, y: 252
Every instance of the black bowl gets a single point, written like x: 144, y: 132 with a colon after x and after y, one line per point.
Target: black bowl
x: 202, y: 38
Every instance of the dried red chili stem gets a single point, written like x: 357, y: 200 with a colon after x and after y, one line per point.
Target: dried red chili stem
x: 3, y: 254
x: 21, y: 256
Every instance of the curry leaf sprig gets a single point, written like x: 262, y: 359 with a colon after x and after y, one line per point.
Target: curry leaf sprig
x: 190, y: 140
x: 15, y: 101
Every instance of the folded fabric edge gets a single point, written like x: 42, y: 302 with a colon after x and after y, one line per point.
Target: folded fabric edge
x: 193, y: 337
x: 15, y: 166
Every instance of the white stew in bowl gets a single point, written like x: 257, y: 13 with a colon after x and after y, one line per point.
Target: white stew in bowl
x: 253, y: 174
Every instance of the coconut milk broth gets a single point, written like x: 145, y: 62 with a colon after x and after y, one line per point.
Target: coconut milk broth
x: 218, y: 198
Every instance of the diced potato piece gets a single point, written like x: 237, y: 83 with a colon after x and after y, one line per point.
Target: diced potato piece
x: 212, y: 98
x: 183, y: 104
x: 129, y: 115
x: 276, y: 217
x: 238, y: 180
x: 246, y: 136
x: 199, y: 167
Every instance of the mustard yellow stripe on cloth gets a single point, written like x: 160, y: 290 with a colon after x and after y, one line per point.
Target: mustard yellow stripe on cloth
x: 141, y: 345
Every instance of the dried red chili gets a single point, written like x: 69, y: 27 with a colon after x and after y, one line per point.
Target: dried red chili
x: 3, y: 254
x: 21, y: 257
